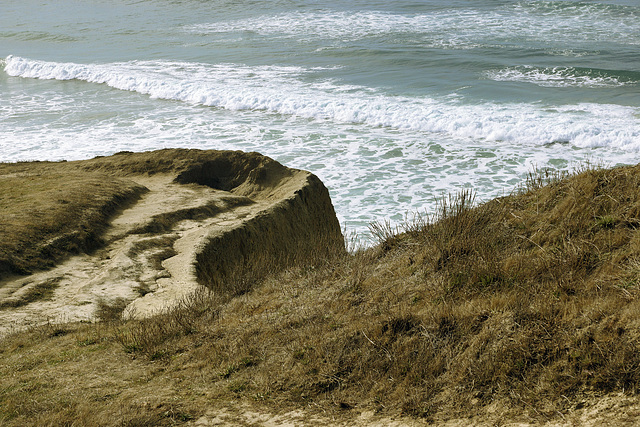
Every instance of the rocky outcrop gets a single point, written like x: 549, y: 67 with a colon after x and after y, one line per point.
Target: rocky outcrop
x: 218, y: 219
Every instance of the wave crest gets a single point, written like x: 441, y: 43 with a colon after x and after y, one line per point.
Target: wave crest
x: 281, y: 90
x: 562, y: 77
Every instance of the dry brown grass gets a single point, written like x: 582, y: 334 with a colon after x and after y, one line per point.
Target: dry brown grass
x: 528, y: 302
x: 40, y: 291
x: 166, y: 221
x: 47, y: 215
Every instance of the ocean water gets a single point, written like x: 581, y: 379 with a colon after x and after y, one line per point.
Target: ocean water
x: 391, y: 103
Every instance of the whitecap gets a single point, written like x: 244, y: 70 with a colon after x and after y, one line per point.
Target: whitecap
x: 558, y: 77
x: 281, y: 90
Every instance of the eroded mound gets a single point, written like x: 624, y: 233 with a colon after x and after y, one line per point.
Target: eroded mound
x: 138, y: 231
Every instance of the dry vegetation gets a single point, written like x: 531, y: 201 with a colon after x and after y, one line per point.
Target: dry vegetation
x: 45, y: 216
x: 525, y: 307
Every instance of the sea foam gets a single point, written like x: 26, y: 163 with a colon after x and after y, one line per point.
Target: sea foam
x: 281, y: 90
x: 562, y: 77
x: 455, y: 27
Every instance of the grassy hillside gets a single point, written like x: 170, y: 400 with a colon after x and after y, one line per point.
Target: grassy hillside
x: 48, y: 214
x: 525, y: 307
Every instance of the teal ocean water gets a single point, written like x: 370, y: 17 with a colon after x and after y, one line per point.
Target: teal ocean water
x: 391, y: 103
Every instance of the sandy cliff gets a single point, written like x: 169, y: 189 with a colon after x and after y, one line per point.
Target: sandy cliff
x: 139, y: 231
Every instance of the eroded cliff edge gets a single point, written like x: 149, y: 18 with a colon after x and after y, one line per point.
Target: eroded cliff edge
x: 139, y: 231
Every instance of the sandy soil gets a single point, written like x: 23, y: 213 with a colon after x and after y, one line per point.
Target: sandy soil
x: 612, y: 410
x: 124, y: 270
x: 245, y: 415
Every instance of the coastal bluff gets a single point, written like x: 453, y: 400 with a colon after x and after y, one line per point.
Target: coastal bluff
x: 135, y: 233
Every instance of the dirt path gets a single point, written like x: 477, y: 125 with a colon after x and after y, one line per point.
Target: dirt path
x: 147, y: 272
x: 245, y: 415
x: 612, y: 410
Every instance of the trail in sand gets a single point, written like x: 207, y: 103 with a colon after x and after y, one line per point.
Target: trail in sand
x: 147, y: 271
